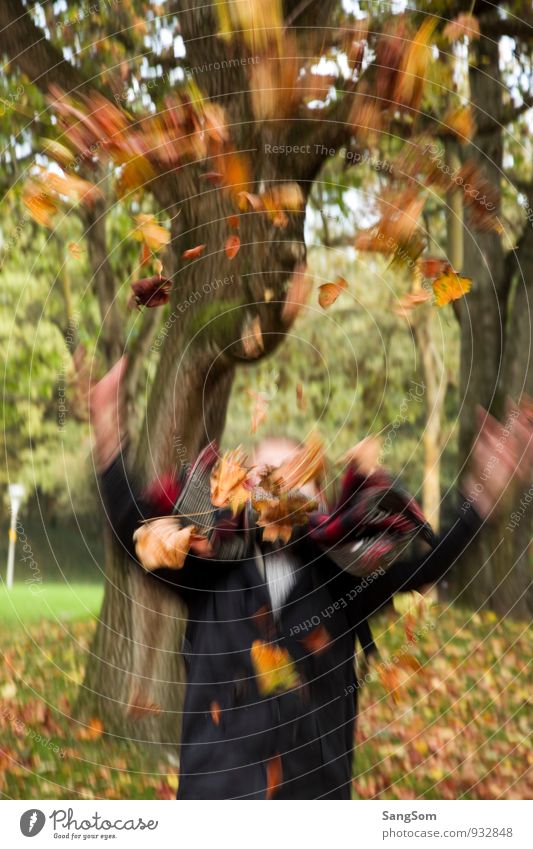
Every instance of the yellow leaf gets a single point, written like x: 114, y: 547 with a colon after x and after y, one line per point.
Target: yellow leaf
x: 450, y: 287
x: 274, y: 668
x: 150, y: 232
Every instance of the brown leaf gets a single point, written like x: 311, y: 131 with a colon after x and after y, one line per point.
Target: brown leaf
x: 163, y: 542
x: 279, y: 514
x: 151, y: 292
x: 228, y: 480
x: 329, y: 292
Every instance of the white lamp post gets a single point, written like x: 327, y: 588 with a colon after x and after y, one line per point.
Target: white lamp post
x: 16, y: 494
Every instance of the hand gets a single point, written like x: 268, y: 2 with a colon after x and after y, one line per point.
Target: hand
x: 502, y: 454
x: 106, y: 412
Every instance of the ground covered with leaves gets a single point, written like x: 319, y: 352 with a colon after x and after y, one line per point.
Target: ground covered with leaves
x: 452, y: 723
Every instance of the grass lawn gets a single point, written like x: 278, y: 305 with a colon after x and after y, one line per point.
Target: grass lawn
x: 451, y: 718
x: 26, y: 604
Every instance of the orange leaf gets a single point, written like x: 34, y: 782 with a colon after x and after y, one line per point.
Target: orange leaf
x: 193, y: 253
x: 153, y: 235
x: 215, y: 713
x: 274, y: 668
x: 93, y: 730
x: 228, y: 480
x: 450, y: 287
x: 163, y: 542
x: 279, y: 514
x: 146, y: 255
x: 233, y: 221
x: 252, y: 338
x: 329, y: 292
x: 317, y: 640
x: 74, y: 250
x: 233, y: 243
x: 274, y: 776
x: 301, y: 402
x: 407, y: 303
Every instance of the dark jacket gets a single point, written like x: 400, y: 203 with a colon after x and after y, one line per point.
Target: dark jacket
x: 233, y: 737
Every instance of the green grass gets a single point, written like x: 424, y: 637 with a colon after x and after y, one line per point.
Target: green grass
x: 30, y: 603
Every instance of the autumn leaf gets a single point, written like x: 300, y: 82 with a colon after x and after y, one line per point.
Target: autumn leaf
x: 433, y: 266
x: 215, y: 713
x: 154, y: 235
x: 461, y: 122
x: 260, y: 409
x: 317, y: 641
x: 279, y: 514
x: 413, y: 70
x: 150, y: 292
x: 40, y: 205
x: 92, y: 731
x: 274, y: 668
x: 252, y: 338
x: 408, y: 302
x: 163, y: 542
x: 233, y: 243
x: 274, y: 776
x: 450, y: 287
x: 74, y: 250
x: 228, y: 481
x: 233, y: 221
x: 193, y: 253
x: 329, y: 292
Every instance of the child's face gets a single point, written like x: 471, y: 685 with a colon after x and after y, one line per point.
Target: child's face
x: 274, y: 452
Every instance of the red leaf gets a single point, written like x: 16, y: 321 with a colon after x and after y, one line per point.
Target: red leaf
x: 274, y: 773
x: 151, y: 292
x: 232, y: 246
x: 193, y: 253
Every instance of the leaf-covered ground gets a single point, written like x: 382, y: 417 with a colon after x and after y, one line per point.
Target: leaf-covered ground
x: 456, y: 728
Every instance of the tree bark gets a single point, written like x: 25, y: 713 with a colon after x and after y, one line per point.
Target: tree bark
x: 495, y: 359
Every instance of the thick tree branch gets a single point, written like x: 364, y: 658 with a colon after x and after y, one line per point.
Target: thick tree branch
x: 28, y: 48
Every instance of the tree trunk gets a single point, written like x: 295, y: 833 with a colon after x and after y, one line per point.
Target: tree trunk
x: 494, y: 572
x: 135, y: 662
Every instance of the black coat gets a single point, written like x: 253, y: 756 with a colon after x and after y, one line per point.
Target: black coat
x: 230, y: 731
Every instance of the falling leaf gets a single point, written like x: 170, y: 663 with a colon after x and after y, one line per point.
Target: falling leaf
x: 233, y: 243
x: 279, y: 514
x: 163, y: 542
x: 461, y: 122
x: 329, y: 292
x: 274, y: 776
x: 154, y: 235
x: 39, y: 204
x: 138, y: 708
x: 228, y: 481
x: 274, y: 668
x: 260, y: 409
x: 252, y: 338
x: 146, y: 255
x: 92, y: 731
x: 215, y: 713
x: 408, y: 302
x: 450, y: 287
x: 193, y: 253
x: 158, y: 265
x: 150, y: 292
x: 433, y: 266
x: 413, y: 71
x: 317, y: 641
x: 74, y: 250
x: 233, y: 221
